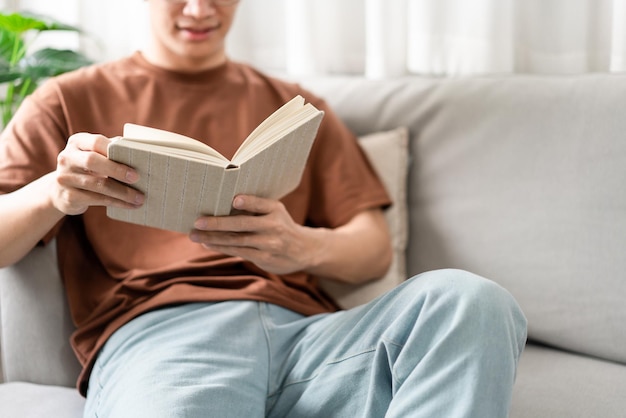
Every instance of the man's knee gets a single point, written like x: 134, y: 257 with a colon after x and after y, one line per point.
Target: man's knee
x: 467, y: 297
x: 460, y: 285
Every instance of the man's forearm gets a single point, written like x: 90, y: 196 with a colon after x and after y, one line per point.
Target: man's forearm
x: 27, y: 215
x: 356, y: 252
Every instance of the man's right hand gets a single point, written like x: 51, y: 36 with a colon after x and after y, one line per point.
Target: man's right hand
x: 86, y: 177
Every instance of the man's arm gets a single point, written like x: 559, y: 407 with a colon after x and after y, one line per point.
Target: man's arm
x: 27, y: 215
x: 84, y: 177
x: 356, y: 252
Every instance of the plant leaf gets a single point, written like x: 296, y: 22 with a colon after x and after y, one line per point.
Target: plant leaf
x: 56, y: 25
x: 9, y: 76
x: 20, y: 23
x: 5, y: 77
x: 7, y: 73
x: 21, y: 93
x: 8, y: 40
x: 50, y: 62
x: 20, y: 73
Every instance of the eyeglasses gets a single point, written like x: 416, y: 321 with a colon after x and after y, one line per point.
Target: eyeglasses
x: 219, y: 3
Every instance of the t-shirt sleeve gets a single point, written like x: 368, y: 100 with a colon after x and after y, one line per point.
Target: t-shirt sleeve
x: 343, y: 181
x: 31, y: 142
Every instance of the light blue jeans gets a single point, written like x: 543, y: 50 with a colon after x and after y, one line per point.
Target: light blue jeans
x: 443, y: 344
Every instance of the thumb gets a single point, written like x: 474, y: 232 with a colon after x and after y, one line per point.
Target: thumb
x: 253, y: 204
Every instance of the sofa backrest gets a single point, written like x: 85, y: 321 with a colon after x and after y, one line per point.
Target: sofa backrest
x: 519, y: 179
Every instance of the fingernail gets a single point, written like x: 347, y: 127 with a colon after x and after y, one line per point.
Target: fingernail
x: 200, y: 224
x: 139, y: 198
x: 238, y: 202
x: 132, y: 176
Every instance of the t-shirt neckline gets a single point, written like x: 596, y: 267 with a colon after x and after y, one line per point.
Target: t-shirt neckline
x: 183, y: 77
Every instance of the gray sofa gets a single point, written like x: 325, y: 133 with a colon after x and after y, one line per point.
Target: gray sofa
x: 517, y: 178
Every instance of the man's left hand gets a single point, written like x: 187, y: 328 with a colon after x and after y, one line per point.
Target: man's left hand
x: 265, y: 235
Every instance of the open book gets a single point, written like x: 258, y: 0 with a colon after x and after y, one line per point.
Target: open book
x: 183, y: 178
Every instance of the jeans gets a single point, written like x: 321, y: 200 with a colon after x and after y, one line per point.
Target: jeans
x: 443, y: 344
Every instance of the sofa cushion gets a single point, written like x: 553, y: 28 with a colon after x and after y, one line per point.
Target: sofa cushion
x: 36, y: 322
x: 388, y: 154
x: 518, y: 179
x: 29, y: 400
x: 553, y: 383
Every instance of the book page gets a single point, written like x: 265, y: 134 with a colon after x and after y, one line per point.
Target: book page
x: 281, y: 164
x: 287, y: 118
x: 162, y: 138
x: 163, y: 149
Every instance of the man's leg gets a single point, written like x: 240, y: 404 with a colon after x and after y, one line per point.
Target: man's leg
x: 195, y: 360
x: 443, y: 344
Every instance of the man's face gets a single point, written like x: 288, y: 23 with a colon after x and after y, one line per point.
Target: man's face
x: 189, y: 35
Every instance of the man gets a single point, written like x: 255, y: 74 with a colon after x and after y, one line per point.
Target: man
x: 228, y: 321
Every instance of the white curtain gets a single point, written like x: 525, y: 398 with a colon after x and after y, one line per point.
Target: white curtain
x: 386, y: 38
x: 383, y: 38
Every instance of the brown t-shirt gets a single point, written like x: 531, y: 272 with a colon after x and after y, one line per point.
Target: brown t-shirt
x: 114, y: 271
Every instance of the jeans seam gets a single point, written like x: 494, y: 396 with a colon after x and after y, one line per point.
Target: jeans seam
x: 262, y: 308
x: 100, y: 390
x: 328, y: 363
x: 348, y: 357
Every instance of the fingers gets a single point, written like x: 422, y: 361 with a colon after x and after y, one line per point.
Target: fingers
x: 254, y: 204
x: 74, y: 201
x: 220, y: 241
x: 107, y: 190
x: 266, y: 235
x: 251, y: 205
x: 88, y: 153
x: 90, y: 142
x: 265, y: 226
x: 86, y: 177
x: 242, y: 230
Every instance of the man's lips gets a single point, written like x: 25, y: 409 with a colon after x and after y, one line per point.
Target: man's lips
x: 199, y: 30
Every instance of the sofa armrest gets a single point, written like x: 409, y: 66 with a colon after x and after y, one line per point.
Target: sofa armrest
x: 35, y: 323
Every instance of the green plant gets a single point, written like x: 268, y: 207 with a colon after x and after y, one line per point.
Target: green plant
x: 21, y: 71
